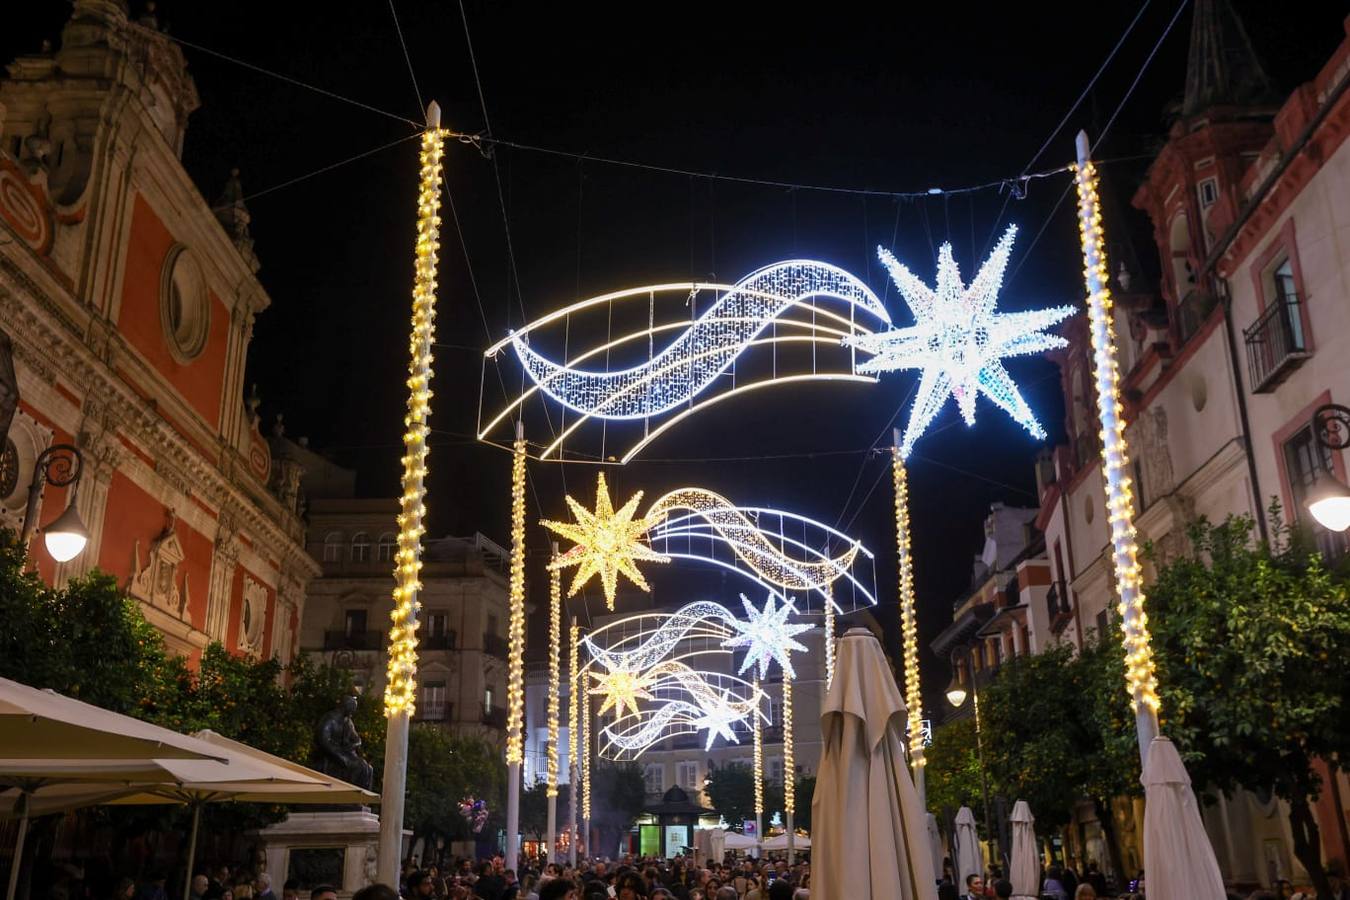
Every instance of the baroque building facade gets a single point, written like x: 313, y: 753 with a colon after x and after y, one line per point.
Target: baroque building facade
x: 129, y: 302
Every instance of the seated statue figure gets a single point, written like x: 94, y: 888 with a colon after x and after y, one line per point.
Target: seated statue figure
x: 337, y: 746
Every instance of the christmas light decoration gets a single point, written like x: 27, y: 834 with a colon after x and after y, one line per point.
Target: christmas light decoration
x: 554, y: 663
x: 958, y: 341
x: 789, y: 762
x: 767, y: 636
x: 1139, y: 669
x: 573, y: 689
x: 776, y: 307
x: 621, y: 688
x: 706, y: 349
x: 584, y: 763
x: 401, y: 683
x: 712, y: 702
x: 829, y: 642
x: 606, y: 542
x: 515, y: 666
x: 909, y: 629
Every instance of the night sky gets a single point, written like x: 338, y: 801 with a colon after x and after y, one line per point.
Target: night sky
x: 895, y: 97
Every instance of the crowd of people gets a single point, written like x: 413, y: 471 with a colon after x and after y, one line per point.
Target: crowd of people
x: 628, y: 878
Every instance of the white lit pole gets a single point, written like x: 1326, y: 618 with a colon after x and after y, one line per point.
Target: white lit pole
x: 759, y: 778
x: 515, y: 652
x: 789, y: 767
x: 554, y: 665
x: 584, y: 764
x: 1139, y: 674
x: 909, y: 629
x: 573, y: 733
x: 400, y: 692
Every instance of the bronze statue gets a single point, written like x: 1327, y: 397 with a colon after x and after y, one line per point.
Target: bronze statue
x: 337, y: 746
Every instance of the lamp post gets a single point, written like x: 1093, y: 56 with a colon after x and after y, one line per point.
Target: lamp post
x: 1329, y: 499
x: 956, y: 696
x: 59, y: 465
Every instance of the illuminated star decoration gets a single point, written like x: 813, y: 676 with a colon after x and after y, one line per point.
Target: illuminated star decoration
x: 958, y: 341
x: 606, y: 542
x: 767, y: 636
x: 718, y: 718
x: 622, y: 688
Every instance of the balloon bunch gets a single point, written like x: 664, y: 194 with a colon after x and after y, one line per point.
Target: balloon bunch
x: 475, y: 812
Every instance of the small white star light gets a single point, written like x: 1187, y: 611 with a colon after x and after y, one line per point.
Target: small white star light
x: 767, y: 636
x: 958, y: 341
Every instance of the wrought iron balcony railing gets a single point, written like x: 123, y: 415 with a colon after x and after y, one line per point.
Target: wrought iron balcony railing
x: 353, y: 640
x: 1276, y: 343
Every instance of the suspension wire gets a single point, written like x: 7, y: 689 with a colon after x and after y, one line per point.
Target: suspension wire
x: 325, y: 169
x: 407, y: 57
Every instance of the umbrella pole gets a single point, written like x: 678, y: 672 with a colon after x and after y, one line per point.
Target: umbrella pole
x: 18, y: 848
x: 192, y: 849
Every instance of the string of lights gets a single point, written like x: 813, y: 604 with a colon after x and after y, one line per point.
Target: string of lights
x: 758, y: 759
x: 909, y: 629
x: 554, y: 664
x: 401, y: 683
x: 515, y: 677
x: 573, y: 680
x: 829, y: 643
x: 1139, y: 667
x: 789, y: 761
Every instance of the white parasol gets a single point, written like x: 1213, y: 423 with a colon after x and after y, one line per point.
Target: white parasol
x: 1177, y: 852
x: 969, y: 860
x: 1026, y: 868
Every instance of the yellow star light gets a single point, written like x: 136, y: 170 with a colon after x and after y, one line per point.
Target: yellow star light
x: 605, y: 542
x: 621, y: 688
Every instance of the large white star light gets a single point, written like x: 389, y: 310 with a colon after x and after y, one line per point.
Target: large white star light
x: 767, y: 636
x: 958, y: 341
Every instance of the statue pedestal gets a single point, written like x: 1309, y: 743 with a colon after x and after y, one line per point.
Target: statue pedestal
x: 330, y: 847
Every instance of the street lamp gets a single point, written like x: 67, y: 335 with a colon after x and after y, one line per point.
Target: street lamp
x: 956, y: 695
x: 59, y: 465
x: 1329, y: 499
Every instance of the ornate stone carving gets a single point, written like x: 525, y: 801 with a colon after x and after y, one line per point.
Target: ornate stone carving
x: 156, y: 583
x: 252, y: 615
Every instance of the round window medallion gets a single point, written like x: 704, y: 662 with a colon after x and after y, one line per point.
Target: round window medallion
x: 184, y: 312
x: 9, y: 469
x: 1089, y: 509
x: 1199, y: 392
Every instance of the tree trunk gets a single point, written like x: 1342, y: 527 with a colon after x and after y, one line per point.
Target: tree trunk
x: 1112, y: 843
x: 1308, y: 845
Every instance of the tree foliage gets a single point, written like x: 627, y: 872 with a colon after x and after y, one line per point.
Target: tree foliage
x: 952, y: 770
x: 444, y: 768
x: 1251, y: 641
x: 731, y: 791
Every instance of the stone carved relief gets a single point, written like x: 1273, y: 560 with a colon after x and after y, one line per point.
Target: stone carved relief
x: 252, y: 615
x: 156, y: 583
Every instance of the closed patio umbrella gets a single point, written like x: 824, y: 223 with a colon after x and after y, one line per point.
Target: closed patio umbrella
x: 871, y: 839
x: 1179, y: 860
x: 779, y: 842
x: 1026, y: 868
x: 969, y: 860
x: 935, y: 843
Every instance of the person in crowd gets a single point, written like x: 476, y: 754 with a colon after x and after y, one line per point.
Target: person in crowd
x: 125, y: 889
x: 153, y: 888
x: 947, y: 891
x: 262, y: 887
x: 376, y: 892
x: 489, y: 885
x: 1003, y: 889
x: 290, y: 890
x: 1054, y: 885
x: 631, y: 886
x: 974, y: 887
x: 1069, y: 880
x: 1085, y: 891
x: 801, y: 893
x: 781, y: 889
x: 1094, y: 877
x: 323, y: 892
x: 243, y: 890
x: 200, y: 885
x: 725, y: 893
x: 1340, y: 890
x: 557, y: 889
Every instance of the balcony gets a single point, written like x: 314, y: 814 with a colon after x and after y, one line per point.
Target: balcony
x: 1058, y: 606
x: 355, y: 640
x: 495, y: 645
x: 1193, y: 311
x: 445, y: 641
x: 1276, y: 343
x: 435, y: 712
x: 494, y: 716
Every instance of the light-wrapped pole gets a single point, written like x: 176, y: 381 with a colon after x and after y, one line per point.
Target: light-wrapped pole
x: 515, y: 652
x: 573, y: 733
x: 554, y: 664
x: 400, y: 692
x: 909, y: 628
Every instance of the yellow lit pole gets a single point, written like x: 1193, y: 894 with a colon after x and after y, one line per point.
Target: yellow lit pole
x: 515, y: 652
x: 909, y: 629
x: 789, y: 766
x: 584, y: 763
x: 400, y: 691
x: 759, y: 779
x: 554, y: 664
x: 1139, y: 673
x: 573, y: 732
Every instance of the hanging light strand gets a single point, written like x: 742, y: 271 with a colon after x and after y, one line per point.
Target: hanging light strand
x: 573, y: 688
x: 554, y: 664
x: 909, y: 629
x: 515, y: 670
x: 584, y: 761
x: 1139, y: 668
x: 759, y: 762
x: 789, y: 762
x: 401, y: 683
x: 829, y: 640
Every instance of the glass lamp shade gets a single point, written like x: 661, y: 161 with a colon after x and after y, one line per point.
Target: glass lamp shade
x: 1329, y: 503
x: 66, y: 536
x: 956, y: 693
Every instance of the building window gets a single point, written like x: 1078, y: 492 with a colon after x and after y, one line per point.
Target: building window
x: 487, y: 698
x: 332, y: 546
x: 1304, y: 460
x: 774, y: 772
x: 355, y: 622
x: 437, y: 624
x: 688, y: 775
x: 432, y: 703
x: 654, y: 778
x: 184, y: 307
x: 491, y: 624
x: 1209, y: 192
x: 384, y: 552
x: 361, y: 547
